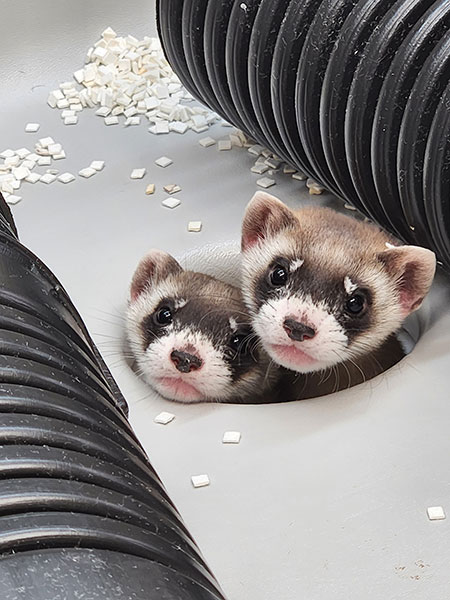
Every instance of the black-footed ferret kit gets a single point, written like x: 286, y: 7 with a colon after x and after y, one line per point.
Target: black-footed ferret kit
x: 323, y: 296
x: 191, y: 336
x: 327, y: 293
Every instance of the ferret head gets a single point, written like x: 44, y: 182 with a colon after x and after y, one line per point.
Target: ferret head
x: 322, y: 287
x: 190, y: 333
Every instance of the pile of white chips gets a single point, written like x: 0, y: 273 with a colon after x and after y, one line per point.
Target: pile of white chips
x: 124, y: 76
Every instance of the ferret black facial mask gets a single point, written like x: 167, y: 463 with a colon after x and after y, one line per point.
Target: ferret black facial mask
x: 190, y: 334
x: 323, y: 288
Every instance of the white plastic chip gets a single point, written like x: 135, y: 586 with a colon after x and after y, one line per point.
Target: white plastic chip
x: 32, y: 127
x: 260, y: 168
x: 132, y: 121
x: 66, y: 177
x: 13, y: 199
x: 87, y: 172
x: 61, y: 154
x: 200, y: 480
x: 97, y: 165
x: 171, y: 202
x: 256, y: 149
x: 265, y: 182
x: 206, y: 142
x: 7, y: 153
x: 44, y: 161
x: 436, y: 513
x: 224, y: 145
x: 54, y: 148
x: 137, y: 173
x: 21, y: 172
x: 33, y: 178
x: 111, y: 120
x: 231, y: 437
x: 45, y: 142
x: 48, y: 178
x: 299, y: 176
x: 194, y: 226
x: 22, y: 152
x: 163, y: 161
x: 164, y: 418
x: 70, y: 121
x: 172, y: 188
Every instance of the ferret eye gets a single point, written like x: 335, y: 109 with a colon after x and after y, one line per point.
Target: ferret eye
x: 239, y: 342
x: 355, y: 304
x: 163, y: 316
x: 278, y: 276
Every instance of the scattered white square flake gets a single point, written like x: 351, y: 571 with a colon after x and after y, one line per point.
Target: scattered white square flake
x: 132, y: 121
x: 97, y: 165
x: 200, y: 480
x: 33, y: 178
x: 288, y: 170
x: 137, y: 173
x: 349, y: 207
x: 54, y: 148
x: 103, y: 111
x: 265, y: 182
x: 45, y: 142
x: 12, y: 199
x: 32, y: 127
x: 150, y: 189
x: 7, y: 153
x: 22, y: 152
x: 171, y: 202
x: 48, y: 178
x: 163, y: 161
x: 260, y: 168
x: 44, y: 161
x: 256, y: 149
x: 66, y: 177
x: 71, y: 120
x: 194, y: 226
x: 435, y: 513
x: 164, y: 418
x: 172, y: 188
x: 231, y: 437
x: 60, y: 155
x: 21, y: 172
x: 206, y: 142
x: 299, y: 176
x: 111, y: 120
x: 224, y: 145
x: 87, y: 172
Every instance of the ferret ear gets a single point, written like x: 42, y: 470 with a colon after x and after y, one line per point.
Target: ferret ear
x: 413, y: 270
x: 265, y: 215
x: 153, y: 268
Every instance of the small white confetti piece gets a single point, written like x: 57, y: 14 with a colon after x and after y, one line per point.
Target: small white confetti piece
x: 178, y: 127
x: 97, y: 165
x: 299, y: 176
x: 172, y: 188
x: 54, y: 148
x: 111, y: 120
x: 7, y: 153
x: 45, y: 142
x: 163, y: 161
x: 231, y: 437
x: 103, y: 111
x: 66, y: 177
x: 70, y: 121
x: 194, y: 226
x: 224, y: 145
x: 44, y: 161
x: 273, y: 163
x: 265, y: 182
x: 137, y: 173
x: 436, y: 513
x: 22, y: 152
x: 200, y: 480
x: 260, y: 168
x: 206, y: 142
x: 171, y: 202
x: 12, y: 199
x: 87, y: 172
x: 132, y: 121
x: 349, y: 207
x: 32, y: 127
x: 60, y: 155
x: 48, y: 178
x: 288, y: 170
x: 33, y: 178
x: 256, y: 149
x: 20, y: 172
x: 164, y: 418
x: 150, y: 189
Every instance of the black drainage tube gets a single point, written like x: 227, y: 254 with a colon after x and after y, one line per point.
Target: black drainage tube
x: 353, y: 93
x: 81, y: 509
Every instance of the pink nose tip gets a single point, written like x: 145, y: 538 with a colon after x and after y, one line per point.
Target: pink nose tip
x: 298, y: 331
x: 185, y: 362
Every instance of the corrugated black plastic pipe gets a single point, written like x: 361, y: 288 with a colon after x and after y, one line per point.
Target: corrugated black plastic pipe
x: 82, y: 512
x: 352, y: 92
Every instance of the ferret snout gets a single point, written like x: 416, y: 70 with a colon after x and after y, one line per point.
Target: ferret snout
x: 298, y: 331
x: 185, y: 362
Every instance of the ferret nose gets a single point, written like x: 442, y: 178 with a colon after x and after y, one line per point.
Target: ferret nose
x: 298, y: 331
x: 185, y: 362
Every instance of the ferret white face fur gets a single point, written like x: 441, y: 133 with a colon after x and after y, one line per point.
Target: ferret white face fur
x: 190, y: 334
x: 324, y: 288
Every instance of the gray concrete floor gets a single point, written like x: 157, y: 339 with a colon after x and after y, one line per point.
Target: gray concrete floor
x: 322, y: 499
